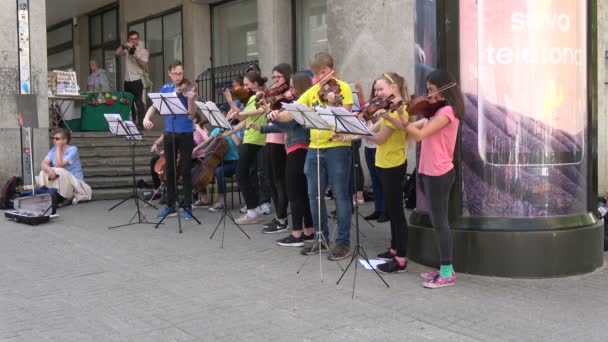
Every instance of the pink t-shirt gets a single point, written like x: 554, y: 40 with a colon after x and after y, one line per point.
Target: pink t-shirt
x: 437, y: 150
x: 276, y: 138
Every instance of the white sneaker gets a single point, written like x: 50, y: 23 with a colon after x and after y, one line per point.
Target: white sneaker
x: 243, y: 210
x: 264, y: 209
x: 246, y: 219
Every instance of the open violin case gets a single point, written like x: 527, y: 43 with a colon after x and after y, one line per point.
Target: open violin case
x: 32, y: 210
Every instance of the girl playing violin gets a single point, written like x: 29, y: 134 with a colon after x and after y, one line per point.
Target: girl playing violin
x: 296, y: 145
x: 436, y: 168
x: 253, y: 142
x: 392, y: 161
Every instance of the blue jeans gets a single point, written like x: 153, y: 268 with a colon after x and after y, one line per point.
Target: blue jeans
x: 334, y: 168
x: 374, y: 172
x: 227, y: 169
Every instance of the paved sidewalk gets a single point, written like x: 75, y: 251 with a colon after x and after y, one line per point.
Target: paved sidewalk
x: 75, y: 280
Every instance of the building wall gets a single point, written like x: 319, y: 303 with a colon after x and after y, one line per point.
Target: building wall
x: 603, y: 98
x: 274, y: 33
x: 10, y: 160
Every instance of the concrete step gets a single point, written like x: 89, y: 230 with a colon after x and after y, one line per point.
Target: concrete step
x: 114, y: 171
x: 123, y: 151
x: 111, y: 194
x: 115, y: 182
x: 94, y: 161
x: 87, y: 135
x: 109, y: 142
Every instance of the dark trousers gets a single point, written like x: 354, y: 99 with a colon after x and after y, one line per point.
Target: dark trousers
x: 393, y: 202
x: 248, y: 181
x: 155, y: 178
x: 184, y: 144
x: 277, y: 157
x: 264, y: 192
x: 297, y: 190
x: 138, y: 110
x: 437, y: 192
x: 374, y: 173
x: 357, y: 170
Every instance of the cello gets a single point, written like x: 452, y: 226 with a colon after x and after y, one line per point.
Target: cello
x: 213, y: 155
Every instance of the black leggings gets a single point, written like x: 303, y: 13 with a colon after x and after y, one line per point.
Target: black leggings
x: 184, y: 143
x: 437, y: 192
x: 276, y: 169
x: 297, y: 190
x: 393, y: 204
x: 248, y: 181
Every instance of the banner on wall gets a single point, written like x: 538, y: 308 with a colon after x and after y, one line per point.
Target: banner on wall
x: 524, y: 78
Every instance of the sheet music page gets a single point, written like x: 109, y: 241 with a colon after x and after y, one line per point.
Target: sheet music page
x: 327, y: 116
x: 133, y: 132
x: 218, y: 116
x: 294, y: 110
x: 114, y: 123
x: 175, y: 105
x: 203, y: 108
x: 347, y: 122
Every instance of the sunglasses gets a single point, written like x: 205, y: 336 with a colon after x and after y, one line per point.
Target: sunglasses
x: 57, y: 138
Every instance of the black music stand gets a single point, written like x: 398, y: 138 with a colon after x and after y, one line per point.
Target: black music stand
x: 170, y: 104
x: 129, y: 132
x: 217, y: 120
x: 309, y: 118
x: 346, y: 122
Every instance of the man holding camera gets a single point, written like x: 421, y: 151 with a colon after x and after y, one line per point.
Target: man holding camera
x: 136, y: 66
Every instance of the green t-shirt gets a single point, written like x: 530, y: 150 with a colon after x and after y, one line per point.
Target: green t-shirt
x: 251, y: 135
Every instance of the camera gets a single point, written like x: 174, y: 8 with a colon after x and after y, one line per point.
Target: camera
x: 131, y: 50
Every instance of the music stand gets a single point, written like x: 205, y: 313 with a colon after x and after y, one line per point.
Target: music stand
x: 217, y: 120
x: 310, y: 119
x: 170, y: 104
x: 129, y: 132
x: 348, y: 123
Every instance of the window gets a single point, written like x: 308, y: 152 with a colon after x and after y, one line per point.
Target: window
x: 60, y: 46
x: 235, y: 32
x: 311, y: 30
x: 103, y: 37
x: 162, y: 36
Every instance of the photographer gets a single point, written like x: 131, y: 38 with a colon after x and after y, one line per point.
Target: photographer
x: 136, y: 66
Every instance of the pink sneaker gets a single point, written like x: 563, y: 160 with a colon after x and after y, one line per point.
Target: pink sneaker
x: 439, y: 281
x: 432, y: 274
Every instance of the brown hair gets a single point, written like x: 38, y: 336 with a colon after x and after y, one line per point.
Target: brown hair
x: 301, y: 82
x: 320, y: 60
x: 256, y: 77
x: 394, y: 78
x: 64, y: 133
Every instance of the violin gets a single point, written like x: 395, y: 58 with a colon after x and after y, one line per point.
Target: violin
x: 378, y: 103
x: 330, y: 86
x: 185, y: 87
x: 421, y: 105
x: 272, y: 96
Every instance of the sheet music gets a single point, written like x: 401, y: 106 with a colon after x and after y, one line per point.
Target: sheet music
x: 121, y: 128
x: 216, y: 118
x: 168, y: 103
x: 306, y: 116
x: 347, y: 122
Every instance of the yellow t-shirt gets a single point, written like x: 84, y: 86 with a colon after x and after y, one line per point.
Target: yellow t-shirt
x: 392, y: 152
x: 321, y: 138
x: 251, y: 135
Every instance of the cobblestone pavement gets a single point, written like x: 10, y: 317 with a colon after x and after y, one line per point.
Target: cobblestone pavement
x: 75, y: 280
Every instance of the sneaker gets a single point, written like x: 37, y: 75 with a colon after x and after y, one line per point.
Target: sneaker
x: 291, y: 241
x: 275, y: 227
x: 201, y: 204
x: 264, y: 209
x: 388, y: 256
x: 339, y: 252
x: 392, y: 266
x: 308, y: 238
x: 167, y: 212
x: 439, y: 281
x: 373, y: 216
x: 217, y: 207
x: 432, y: 274
x: 187, y: 215
x: 383, y: 218
x: 313, y: 247
x: 246, y: 219
x: 243, y: 210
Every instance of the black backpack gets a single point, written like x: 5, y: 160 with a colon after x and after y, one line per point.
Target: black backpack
x: 10, y: 191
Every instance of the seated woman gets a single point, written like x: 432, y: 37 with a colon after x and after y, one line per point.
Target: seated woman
x: 228, y: 167
x: 61, y: 170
